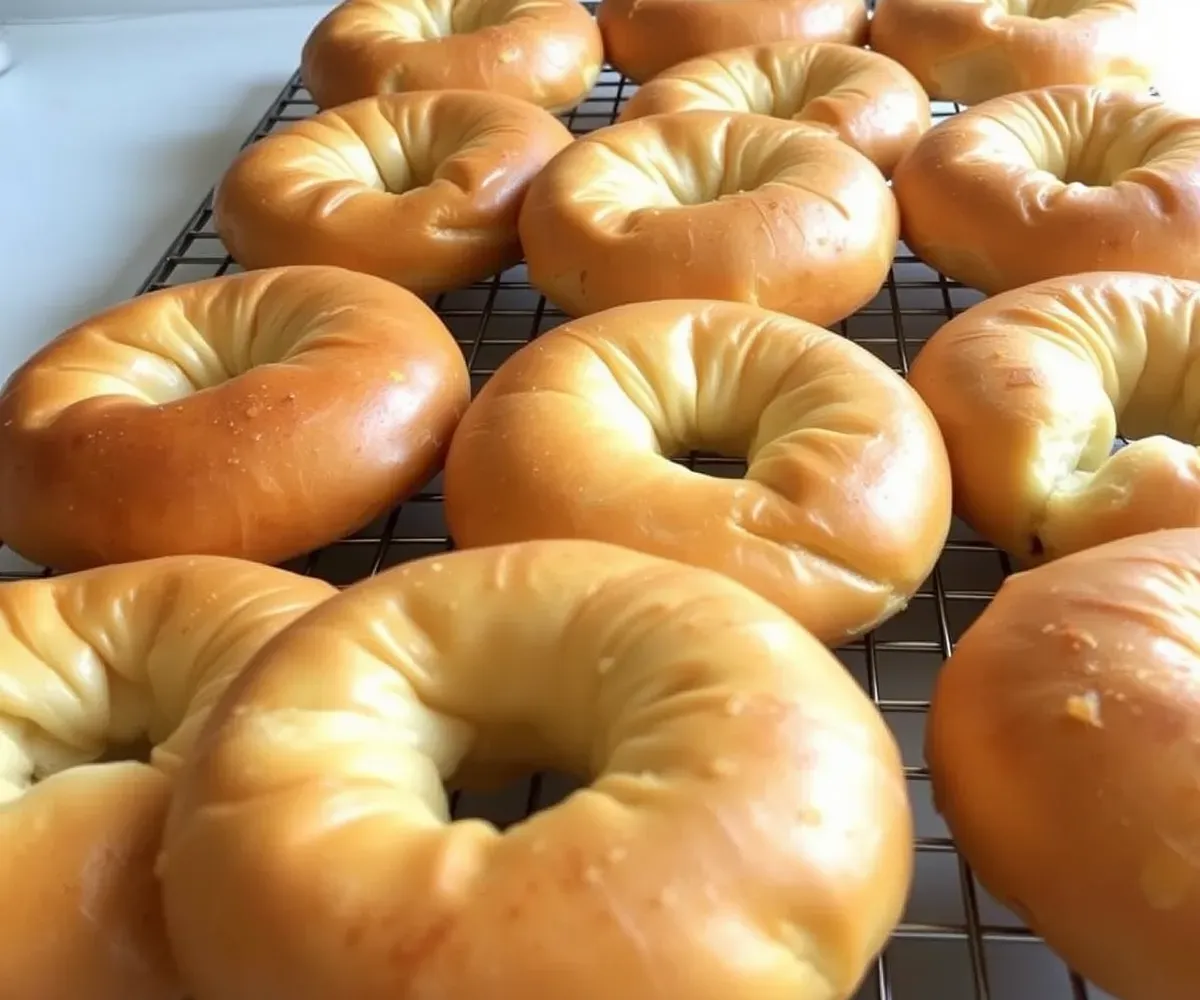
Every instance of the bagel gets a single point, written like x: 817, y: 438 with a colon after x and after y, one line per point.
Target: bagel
x: 971, y: 51
x: 707, y: 204
x: 845, y: 504
x: 644, y: 37
x: 257, y: 415
x: 87, y: 661
x: 422, y: 189
x: 1062, y: 746
x: 872, y: 103
x: 546, y: 52
x: 747, y: 832
x: 1031, y: 388
x: 1055, y: 182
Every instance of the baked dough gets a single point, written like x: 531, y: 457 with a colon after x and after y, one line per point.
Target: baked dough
x: 973, y: 50
x: 547, y: 52
x: 423, y: 189
x: 1062, y: 744
x: 843, y: 510
x: 87, y: 662
x: 869, y: 101
x: 644, y: 37
x: 258, y: 415
x: 746, y: 833
x: 1031, y: 388
x: 708, y: 204
x: 1055, y: 182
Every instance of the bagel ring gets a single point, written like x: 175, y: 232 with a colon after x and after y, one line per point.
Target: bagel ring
x: 546, y: 52
x: 970, y: 52
x: 747, y: 825
x: 644, y: 37
x: 1055, y: 182
x: 845, y: 503
x: 869, y: 101
x: 88, y: 661
x: 1030, y: 389
x: 423, y: 189
x: 258, y: 415
x: 707, y: 204
x: 1062, y: 747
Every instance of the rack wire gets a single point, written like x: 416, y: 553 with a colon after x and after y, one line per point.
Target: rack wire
x: 955, y: 942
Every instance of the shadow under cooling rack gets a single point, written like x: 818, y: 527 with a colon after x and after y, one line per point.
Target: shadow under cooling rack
x: 955, y: 942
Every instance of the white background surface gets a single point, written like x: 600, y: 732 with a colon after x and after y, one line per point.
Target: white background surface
x: 110, y: 135
x: 111, y: 132
x: 53, y: 9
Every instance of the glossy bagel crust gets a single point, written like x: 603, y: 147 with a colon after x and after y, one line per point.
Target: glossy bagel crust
x: 1030, y: 389
x: 746, y: 834
x: 259, y: 415
x: 87, y: 662
x: 422, y: 189
x: 869, y: 101
x: 843, y: 509
x: 644, y: 37
x: 971, y: 51
x: 1062, y: 745
x: 546, y: 52
x: 709, y: 204
x: 1055, y: 182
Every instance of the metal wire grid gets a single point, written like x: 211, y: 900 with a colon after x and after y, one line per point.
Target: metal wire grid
x: 955, y: 942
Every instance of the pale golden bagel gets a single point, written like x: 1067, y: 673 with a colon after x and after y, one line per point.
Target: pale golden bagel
x: 546, y: 52
x: 869, y: 101
x: 423, y: 189
x: 258, y: 415
x: 708, y: 204
x: 1031, y: 388
x: 103, y: 658
x: 845, y: 503
x: 1063, y: 747
x: 746, y: 833
x: 1055, y: 182
x: 973, y: 50
x: 644, y: 37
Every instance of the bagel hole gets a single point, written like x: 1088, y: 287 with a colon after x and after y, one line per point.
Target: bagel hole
x: 467, y: 16
x: 137, y: 750
x: 713, y: 464
x: 508, y: 804
x: 432, y: 22
x: 724, y: 167
x: 1090, y: 166
x: 1041, y: 9
x: 1087, y: 156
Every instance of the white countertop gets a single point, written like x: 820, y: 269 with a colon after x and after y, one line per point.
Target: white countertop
x: 112, y: 131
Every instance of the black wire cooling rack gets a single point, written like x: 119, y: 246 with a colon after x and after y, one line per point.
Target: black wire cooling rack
x: 955, y: 942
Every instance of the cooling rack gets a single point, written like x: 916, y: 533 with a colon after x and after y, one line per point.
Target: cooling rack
x: 955, y: 942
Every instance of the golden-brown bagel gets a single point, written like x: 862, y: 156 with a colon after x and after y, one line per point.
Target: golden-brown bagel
x: 746, y: 833
x: 1064, y: 748
x: 1030, y: 389
x: 423, y: 189
x: 871, y: 102
x: 708, y: 204
x: 1055, y: 182
x: 258, y: 415
x: 845, y: 504
x: 973, y: 50
x: 546, y: 52
x: 644, y: 37
x: 110, y: 656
